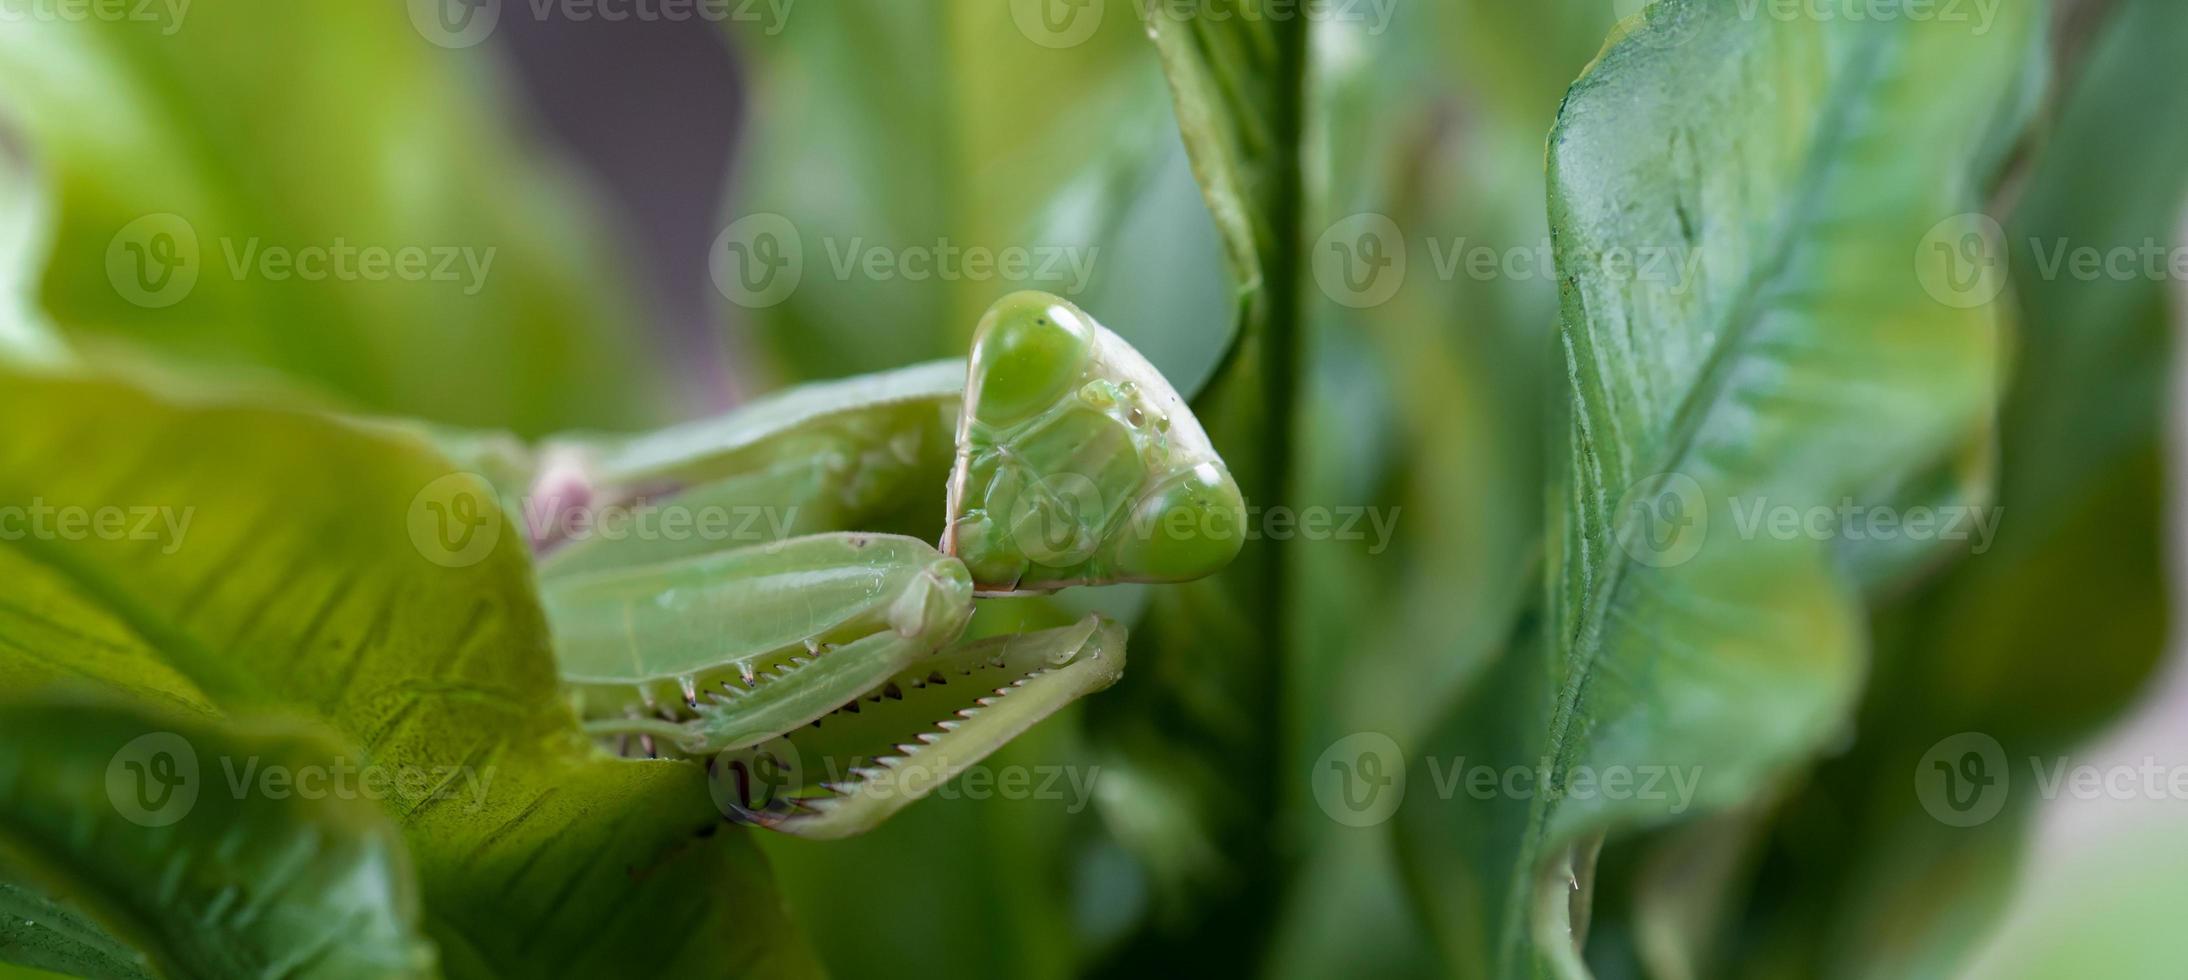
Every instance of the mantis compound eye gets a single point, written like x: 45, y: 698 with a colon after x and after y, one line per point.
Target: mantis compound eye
x: 1078, y: 463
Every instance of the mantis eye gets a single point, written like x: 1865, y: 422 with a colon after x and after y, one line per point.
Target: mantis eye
x: 1078, y: 463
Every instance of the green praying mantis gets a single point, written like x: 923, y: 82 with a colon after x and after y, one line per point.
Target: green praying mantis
x: 821, y: 673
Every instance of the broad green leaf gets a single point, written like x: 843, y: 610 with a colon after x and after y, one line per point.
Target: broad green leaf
x: 901, y: 155
x: 2077, y: 564
x: 193, y: 163
x: 364, y: 590
x: 133, y: 819
x: 1798, y: 360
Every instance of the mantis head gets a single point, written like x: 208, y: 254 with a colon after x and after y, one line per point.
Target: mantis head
x: 1078, y: 463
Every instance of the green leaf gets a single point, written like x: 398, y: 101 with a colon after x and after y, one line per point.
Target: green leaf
x: 204, y: 878
x: 1797, y: 361
x: 263, y: 129
x: 335, y: 590
x: 915, y: 137
x: 45, y: 935
x: 2078, y: 562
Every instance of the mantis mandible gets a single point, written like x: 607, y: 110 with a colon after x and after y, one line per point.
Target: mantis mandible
x: 822, y: 673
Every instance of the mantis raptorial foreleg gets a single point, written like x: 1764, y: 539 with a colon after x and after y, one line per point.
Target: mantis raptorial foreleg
x: 874, y: 755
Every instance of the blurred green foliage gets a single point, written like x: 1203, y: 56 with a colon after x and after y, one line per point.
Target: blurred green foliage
x: 1210, y: 172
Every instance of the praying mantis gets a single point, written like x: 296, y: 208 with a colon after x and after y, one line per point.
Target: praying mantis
x: 822, y: 675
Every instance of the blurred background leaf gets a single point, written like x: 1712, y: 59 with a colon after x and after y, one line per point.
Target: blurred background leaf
x: 264, y: 128
x: 2055, y: 628
x: 900, y: 130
